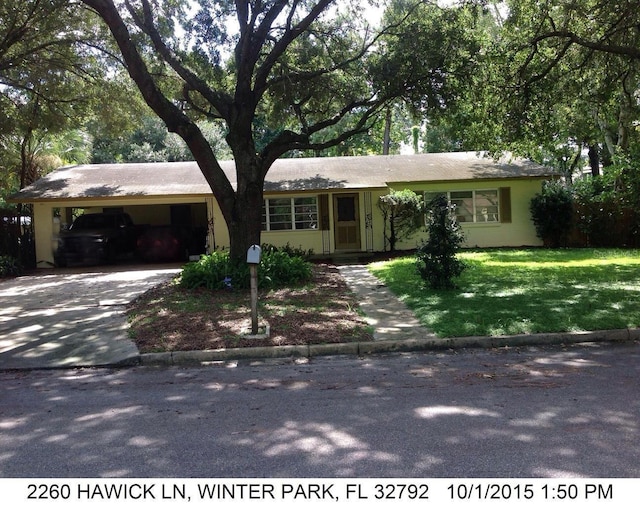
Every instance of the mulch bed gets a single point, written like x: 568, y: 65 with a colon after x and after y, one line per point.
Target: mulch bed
x: 171, y: 318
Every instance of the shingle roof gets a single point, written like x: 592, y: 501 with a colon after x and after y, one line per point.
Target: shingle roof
x: 328, y: 173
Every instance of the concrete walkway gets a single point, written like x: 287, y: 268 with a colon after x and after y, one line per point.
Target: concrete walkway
x: 391, y: 319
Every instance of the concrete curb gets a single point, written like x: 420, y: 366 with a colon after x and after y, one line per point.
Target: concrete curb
x: 194, y: 358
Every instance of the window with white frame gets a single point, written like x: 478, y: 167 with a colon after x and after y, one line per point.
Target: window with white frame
x: 479, y: 206
x: 280, y: 214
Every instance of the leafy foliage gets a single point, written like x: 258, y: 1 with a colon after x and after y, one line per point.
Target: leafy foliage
x: 608, y: 205
x: 149, y: 141
x: 402, y: 212
x: 561, y: 76
x: 437, y: 259
x: 9, y: 266
x: 56, y: 74
x: 216, y: 271
x: 552, y: 213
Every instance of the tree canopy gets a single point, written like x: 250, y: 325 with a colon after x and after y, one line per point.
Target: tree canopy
x: 56, y: 73
x: 562, y: 76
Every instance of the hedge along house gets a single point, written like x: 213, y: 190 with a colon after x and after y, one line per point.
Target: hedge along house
x: 327, y: 205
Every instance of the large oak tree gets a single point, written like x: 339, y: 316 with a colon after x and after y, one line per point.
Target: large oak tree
x: 281, y: 75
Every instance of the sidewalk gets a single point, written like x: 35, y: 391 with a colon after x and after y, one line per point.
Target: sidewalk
x: 396, y: 329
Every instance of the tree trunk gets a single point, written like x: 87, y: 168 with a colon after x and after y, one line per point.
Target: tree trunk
x: 386, y: 144
x: 393, y: 238
x: 245, y: 222
x: 594, y: 160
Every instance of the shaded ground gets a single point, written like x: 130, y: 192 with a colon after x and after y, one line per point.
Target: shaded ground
x: 170, y: 318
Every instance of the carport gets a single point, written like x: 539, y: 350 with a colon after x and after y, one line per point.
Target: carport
x: 173, y: 199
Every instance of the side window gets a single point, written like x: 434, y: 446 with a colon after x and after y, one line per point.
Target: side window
x: 486, y: 203
x: 279, y: 214
x: 478, y: 206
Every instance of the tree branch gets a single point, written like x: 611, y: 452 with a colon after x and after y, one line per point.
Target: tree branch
x: 289, y: 140
x: 175, y: 120
x: 290, y: 35
x: 146, y: 23
x: 603, y: 47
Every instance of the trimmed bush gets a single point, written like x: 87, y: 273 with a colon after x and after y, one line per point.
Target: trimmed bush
x: 552, y: 213
x: 216, y: 271
x: 437, y: 261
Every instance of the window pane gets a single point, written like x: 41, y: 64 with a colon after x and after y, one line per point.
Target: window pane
x: 280, y: 214
x: 346, y: 209
x: 306, y: 213
x: 264, y: 216
x: 487, y: 206
x: 290, y: 213
x: 463, y: 202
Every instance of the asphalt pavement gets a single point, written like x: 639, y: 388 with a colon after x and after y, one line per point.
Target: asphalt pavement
x: 537, y: 412
x: 76, y: 318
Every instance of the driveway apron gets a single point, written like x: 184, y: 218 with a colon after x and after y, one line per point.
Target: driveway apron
x: 72, y: 317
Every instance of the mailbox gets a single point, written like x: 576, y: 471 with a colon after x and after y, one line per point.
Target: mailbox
x: 254, y: 254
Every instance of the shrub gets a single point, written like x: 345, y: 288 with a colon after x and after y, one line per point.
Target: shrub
x: 9, y: 266
x: 403, y: 212
x: 291, y: 251
x: 437, y: 262
x: 607, y: 206
x: 217, y: 271
x: 552, y: 213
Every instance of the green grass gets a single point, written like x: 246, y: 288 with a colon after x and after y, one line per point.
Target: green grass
x: 505, y: 292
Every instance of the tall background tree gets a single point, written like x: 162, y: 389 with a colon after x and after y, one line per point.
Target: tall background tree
x: 432, y: 56
x: 562, y: 87
x: 561, y: 79
x: 56, y: 74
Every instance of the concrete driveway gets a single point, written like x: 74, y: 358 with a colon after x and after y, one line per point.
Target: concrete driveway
x: 72, y: 317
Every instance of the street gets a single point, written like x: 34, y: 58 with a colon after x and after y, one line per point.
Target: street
x: 530, y: 412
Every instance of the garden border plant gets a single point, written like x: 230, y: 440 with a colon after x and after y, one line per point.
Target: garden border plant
x: 279, y: 267
x: 9, y: 267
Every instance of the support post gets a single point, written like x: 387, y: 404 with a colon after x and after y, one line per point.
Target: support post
x: 253, y: 269
x: 254, y: 255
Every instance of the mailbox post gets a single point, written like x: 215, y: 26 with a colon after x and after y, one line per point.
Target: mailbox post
x: 254, y: 255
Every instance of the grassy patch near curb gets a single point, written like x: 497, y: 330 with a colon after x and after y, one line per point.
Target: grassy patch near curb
x: 506, y: 292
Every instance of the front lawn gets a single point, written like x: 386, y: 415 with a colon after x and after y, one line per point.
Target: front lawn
x: 505, y: 292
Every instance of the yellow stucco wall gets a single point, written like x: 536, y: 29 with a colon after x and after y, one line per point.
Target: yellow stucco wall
x: 519, y: 232
x: 156, y: 211
x: 46, y: 234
